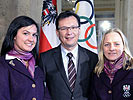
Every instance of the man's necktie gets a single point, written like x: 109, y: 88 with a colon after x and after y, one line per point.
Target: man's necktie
x: 71, y: 71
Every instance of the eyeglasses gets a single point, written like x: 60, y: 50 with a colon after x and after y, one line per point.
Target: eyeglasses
x: 72, y: 28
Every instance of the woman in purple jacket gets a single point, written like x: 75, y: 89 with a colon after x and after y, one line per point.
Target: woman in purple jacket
x: 113, y: 79
x: 20, y: 78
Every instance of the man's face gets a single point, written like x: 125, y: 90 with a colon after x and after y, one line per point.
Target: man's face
x: 68, y: 32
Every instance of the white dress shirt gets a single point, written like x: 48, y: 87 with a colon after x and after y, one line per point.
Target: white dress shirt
x: 65, y: 58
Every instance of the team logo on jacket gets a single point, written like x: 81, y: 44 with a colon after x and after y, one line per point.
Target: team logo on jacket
x: 126, y: 89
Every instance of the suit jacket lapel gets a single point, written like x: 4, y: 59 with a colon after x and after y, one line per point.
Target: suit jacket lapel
x: 82, y: 63
x: 17, y: 65
x: 58, y: 59
x: 105, y: 79
x: 120, y: 74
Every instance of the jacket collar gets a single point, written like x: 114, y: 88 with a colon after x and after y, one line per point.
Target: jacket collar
x: 119, y: 75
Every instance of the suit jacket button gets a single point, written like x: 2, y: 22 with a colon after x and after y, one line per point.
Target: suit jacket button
x: 33, y: 85
x: 72, y: 98
x: 33, y: 98
x: 109, y: 91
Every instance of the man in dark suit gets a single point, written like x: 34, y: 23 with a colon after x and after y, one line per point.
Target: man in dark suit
x: 68, y: 78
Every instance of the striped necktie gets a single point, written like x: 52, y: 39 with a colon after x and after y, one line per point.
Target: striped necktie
x: 71, y: 71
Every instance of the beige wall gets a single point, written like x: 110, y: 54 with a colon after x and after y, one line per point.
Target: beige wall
x: 129, y: 18
x: 124, y: 19
x: 9, y: 9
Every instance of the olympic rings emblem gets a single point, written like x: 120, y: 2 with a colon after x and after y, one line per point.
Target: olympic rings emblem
x: 86, y: 38
x: 86, y: 32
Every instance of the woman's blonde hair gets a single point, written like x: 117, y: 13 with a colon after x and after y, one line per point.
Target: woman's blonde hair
x: 100, y: 65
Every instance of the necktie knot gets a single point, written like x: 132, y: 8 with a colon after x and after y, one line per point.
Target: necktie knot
x: 70, y: 55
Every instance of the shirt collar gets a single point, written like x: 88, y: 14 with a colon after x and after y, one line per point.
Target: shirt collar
x: 8, y: 57
x: 74, y: 51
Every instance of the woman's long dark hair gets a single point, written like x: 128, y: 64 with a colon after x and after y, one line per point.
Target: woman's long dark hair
x: 16, y: 24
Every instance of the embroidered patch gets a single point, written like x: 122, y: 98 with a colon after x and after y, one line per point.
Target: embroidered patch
x: 126, y: 89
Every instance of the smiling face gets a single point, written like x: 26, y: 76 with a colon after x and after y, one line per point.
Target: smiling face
x: 112, y: 46
x: 68, y: 32
x: 26, y: 38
